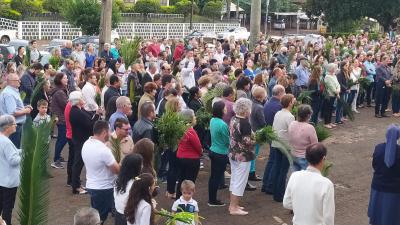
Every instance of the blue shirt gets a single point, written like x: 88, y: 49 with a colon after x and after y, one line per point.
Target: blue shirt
x: 370, y: 69
x: 249, y: 73
x: 270, y: 109
x: 10, y: 102
x: 10, y: 158
x: 90, y: 60
x: 114, y: 117
x: 271, y: 85
x: 302, y: 76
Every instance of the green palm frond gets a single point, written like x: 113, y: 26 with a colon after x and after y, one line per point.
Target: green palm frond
x: 327, y: 166
x: 203, y: 118
x: 27, y: 58
x: 34, y: 187
x: 322, y: 133
x: 130, y: 50
x: 55, y: 62
x: 183, y: 217
x: 98, y: 98
x: 102, y: 82
x: 171, y: 127
x: 268, y: 135
x: 38, y: 88
x: 346, y: 109
x: 305, y: 97
x: 116, y: 148
x: 364, y: 83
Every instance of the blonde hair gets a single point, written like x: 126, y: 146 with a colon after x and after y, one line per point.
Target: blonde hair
x: 259, y: 92
x: 188, y: 185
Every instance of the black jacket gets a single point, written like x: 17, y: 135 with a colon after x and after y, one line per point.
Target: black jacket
x: 342, y: 81
x: 195, y: 104
x: 146, y: 78
x: 143, y: 128
x: 82, y: 125
x: 111, y: 92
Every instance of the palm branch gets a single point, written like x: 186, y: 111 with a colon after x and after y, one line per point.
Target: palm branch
x: 130, y: 50
x: 305, y: 97
x: 102, y: 82
x: 22, y: 94
x: 209, y: 97
x: 172, y: 218
x: 131, y: 91
x: 346, y: 109
x: 322, y: 133
x: 268, y: 135
x: 364, y: 84
x: 55, y: 62
x: 38, y: 88
x: 98, y: 98
x: 170, y: 127
x: 34, y: 188
x: 326, y: 168
x: 27, y: 58
x: 116, y: 148
x: 203, y: 118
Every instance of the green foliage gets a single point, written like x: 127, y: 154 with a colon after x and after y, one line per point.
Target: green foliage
x: 203, y: 118
x: 102, y: 81
x: 322, y: 132
x: 97, y: 98
x: 7, y: 12
x: 55, y: 62
x: 130, y: 50
x: 27, y: 58
x: 34, y: 188
x: 364, y: 83
x: 209, y: 96
x: 305, y: 97
x: 53, y: 5
x: 347, y: 109
x: 120, y: 4
x: 38, y: 88
x: 326, y: 168
x: 27, y: 6
x: 147, y: 6
x: 171, y: 127
x: 86, y: 14
x: 268, y: 135
x: 171, y: 9
x: 173, y: 218
x: 185, y: 7
x: 116, y: 148
x: 212, y: 9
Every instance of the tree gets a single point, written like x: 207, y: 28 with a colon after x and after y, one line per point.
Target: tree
x: 147, y: 6
x: 86, y: 14
x: 255, y: 22
x: 212, y: 9
x: 185, y: 7
x: 52, y: 5
x: 7, y: 12
x: 27, y: 6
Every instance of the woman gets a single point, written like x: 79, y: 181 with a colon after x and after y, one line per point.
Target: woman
x: 189, y: 152
x: 259, y: 81
x: 355, y: 74
x: 90, y: 56
x: 301, y: 135
x: 218, y: 152
x: 194, y: 99
x: 240, y: 153
x: 332, y: 89
x: 59, y: 99
x: 145, y: 148
x: 10, y: 158
x: 19, y: 58
x: 139, y: 209
x: 204, y: 84
x: 42, y: 94
x: 343, y: 77
x: 384, y: 200
x: 314, y: 85
x: 131, y: 167
x: 396, y: 91
x: 242, y: 87
x: 150, y: 91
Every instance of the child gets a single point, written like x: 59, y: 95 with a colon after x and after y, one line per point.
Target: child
x: 42, y: 116
x: 186, y: 203
x: 139, y: 209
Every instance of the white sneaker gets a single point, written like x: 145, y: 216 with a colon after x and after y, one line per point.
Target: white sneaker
x: 227, y: 175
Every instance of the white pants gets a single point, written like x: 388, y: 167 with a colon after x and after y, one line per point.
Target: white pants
x: 239, y: 176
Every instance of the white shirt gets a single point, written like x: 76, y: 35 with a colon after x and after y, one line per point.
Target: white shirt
x: 219, y: 57
x: 311, y: 197
x: 142, y: 214
x: 187, y: 66
x: 98, y: 158
x: 282, y: 120
x: 103, y: 92
x: 121, y: 199
x: 89, y: 96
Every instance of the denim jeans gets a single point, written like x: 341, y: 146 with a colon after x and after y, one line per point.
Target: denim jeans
x: 16, y: 137
x: 253, y: 162
x: 339, y: 107
x: 218, y: 166
x: 351, y: 96
x: 299, y: 164
x: 278, y: 175
x: 61, y: 141
x: 172, y: 171
x: 267, y: 185
x: 102, y: 200
x: 396, y: 100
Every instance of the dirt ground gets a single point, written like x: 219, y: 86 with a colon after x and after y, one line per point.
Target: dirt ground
x: 350, y: 149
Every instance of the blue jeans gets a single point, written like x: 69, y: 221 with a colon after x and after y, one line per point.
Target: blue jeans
x: 103, y: 201
x: 253, y: 162
x: 267, y: 185
x: 396, y: 101
x: 61, y: 141
x: 339, y: 107
x: 299, y: 164
x: 316, y: 104
x: 278, y: 175
x: 16, y: 137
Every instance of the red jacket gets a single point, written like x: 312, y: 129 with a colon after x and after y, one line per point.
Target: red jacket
x: 67, y: 112
x: 189, y: 146
x: 178, y: 53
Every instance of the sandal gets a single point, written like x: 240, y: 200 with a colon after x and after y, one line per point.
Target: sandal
x: 328, y: 126
x: 238, y: 212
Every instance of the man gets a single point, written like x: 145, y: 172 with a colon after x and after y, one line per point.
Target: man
x: 187, y: 70
x: 303, y: 74
x: 219, y: 55
x: 67, y: 50
x: 309, y: 188
x: 276, y: 74
x: 121, y: 133
x: 69, y: 71
x: 135, y: 77
x: 89, y: 93
x: 283, y: 57
x: 270, y: 109
x: 106, y: 54
x: 124, y: 109
x: 165, y: 69
x: 11, y: 104
x: 226, y: 62
x: 35, y: 55
x: 144, y: 127
x: 149, y: 75
x: 383, y: 84
x: 28, y: 81
x: 168, y: 82
x: 113, y: 89
x: 79, y: 55
x: 371, y: 75
x: 87, y: 216
x: 101, y: 169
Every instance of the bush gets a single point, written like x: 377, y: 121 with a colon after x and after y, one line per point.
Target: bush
x: 212, y: 9
x: 27, y: 6
x: 147, y: 6
x: 7, y: 12
x: 168, y: 9
x: 185, y: 7
x: 52, y: 5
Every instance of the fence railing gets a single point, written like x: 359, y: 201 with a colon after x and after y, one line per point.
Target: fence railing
x: 153, y: 15
x: 47, y: 30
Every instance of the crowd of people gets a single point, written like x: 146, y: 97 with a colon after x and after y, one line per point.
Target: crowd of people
x: 93, y: 98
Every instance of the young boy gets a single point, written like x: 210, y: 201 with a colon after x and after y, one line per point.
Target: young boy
x: 42, y: 116
x: 186, y: 203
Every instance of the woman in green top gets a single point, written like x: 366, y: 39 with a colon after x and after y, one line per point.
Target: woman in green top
x: 332, y: 90
x: 219, y: 151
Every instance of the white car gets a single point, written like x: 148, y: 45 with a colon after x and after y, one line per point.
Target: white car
x: 314, y: 38
x: 7, y: 35
x: 239, y: 33
x: 292, y: 38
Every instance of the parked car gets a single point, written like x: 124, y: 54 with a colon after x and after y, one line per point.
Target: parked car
x: 7, y: 35
x: 314, y: 38
x: 16, y: 43
x: 279, y: 25
x: 239, y: 33
x: 8, y: 52
x: 208, y: 36
x: 292, y: 38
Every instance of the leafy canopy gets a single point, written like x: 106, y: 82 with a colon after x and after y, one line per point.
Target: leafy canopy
x: 147, y: 6
x: 185, y: 7
x: 213, y: 9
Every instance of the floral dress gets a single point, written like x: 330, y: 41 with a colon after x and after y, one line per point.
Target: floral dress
x: 241, y: 140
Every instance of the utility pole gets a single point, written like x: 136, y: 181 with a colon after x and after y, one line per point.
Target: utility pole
x: 105, y: 24
x: 191, y: 18
x: 255, y: 22
x: 266, y: 18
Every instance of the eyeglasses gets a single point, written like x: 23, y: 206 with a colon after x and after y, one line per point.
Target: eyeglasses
x: 15, y: 80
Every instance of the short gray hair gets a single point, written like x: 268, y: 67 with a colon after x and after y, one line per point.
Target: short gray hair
x: 278, y: 90
x: 122, y: 101
x: 152, y: 65
x: 87, y: 216
x: 187, y: 114
x: 331, y: 66
x: 6, y: 121
x: 242, y: 106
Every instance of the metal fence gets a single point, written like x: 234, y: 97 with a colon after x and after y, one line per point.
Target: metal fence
x: 153, y: 15
x: 47, y: 30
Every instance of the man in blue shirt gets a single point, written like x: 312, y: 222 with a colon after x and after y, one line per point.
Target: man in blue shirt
x: 383, y: 83
x: 249, y: 69
x: 270, y: 109
x: 303, y: 74
x: 124, y: 109
x: 11, y: 104
x: 371, y: 73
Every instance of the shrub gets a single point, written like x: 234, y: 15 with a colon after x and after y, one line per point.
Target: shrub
x: 185, y: 7
x: 168, y: 9
x: 147, y: 6
x: 212, y: 9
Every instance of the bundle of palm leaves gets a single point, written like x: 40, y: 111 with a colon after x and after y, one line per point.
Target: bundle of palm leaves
x: 116, y: 148
x: 130, y: 50
x: 34, y: 188
x: 203, y: 118
x: 102, y: 81
x: 364, y: 84
x: 268, y: 135
x: 27, y: 58
x: 327, y: 50
x: 97, y: 98
x: 171, y: 127
x: 55, y: 62
x: 183, y: 217
x: 305, y: 97
x: 209, y: 97
x: 322, y: 133
x: 327, y: 166
x: 346, y: 109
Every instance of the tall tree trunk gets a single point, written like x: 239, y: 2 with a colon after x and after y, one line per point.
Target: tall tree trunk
x: 105, y: 24
x: 255, y: 22
x: 228, y: 10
